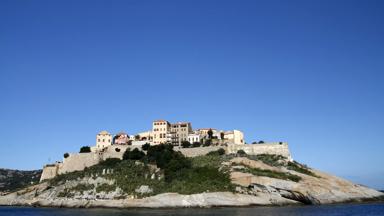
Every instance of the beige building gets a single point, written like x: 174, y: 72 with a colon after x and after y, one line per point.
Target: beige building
x: 144, y: 136
x: 160, y: 129
x: 204, y: 131
x: 179, y: 132
x: 234, y: 136
x: 103, y: 139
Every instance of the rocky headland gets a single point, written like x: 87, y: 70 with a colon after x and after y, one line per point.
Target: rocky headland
x: 215, y: 179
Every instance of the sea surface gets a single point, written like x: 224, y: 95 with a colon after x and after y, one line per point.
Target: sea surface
x: 368, y: 209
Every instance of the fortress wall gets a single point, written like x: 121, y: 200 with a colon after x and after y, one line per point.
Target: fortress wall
x: 266, y: 148
x: 193, y: 152
x: 111, y: 152
x: 49, y: 171
x: 79, y: 161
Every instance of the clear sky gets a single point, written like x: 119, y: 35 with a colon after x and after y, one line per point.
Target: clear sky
x: 307, y: 72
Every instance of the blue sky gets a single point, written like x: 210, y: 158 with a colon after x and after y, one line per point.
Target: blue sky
x: 307, y: 72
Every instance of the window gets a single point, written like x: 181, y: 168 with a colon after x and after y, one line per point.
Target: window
x: 98, y: 140
x: 103, y: 140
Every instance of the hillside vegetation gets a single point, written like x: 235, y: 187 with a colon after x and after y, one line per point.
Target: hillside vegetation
x: 12, y: 180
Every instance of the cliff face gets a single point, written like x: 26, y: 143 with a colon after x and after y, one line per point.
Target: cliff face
x: 257, y: 180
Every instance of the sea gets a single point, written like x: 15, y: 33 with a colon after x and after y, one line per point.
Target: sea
x: 366, y: 209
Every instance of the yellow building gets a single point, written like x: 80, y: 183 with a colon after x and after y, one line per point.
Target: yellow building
x: 234, y: 136
x: 160, y: 128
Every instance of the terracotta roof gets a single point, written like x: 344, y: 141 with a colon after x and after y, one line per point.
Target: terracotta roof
x: 160, y: 120
x: 104, y: 132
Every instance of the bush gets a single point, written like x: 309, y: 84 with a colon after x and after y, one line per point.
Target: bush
x: 185, y: 144
x: 261, y: 142
x: 85, y: 149
x: 135, y: 154
x: 117, y: 149
x: 220, y: 151
x: 110, y: 162
x: 145, y: 147
x: 255, y: 142
x: 196, y: 144
x: 66, y: 155
x: 207, y: 142
x: 241, y: 152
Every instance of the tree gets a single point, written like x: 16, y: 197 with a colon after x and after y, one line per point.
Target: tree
x: 222, y: 135
x: 185, y: 144
x: 255, y: 142
x: 210, y: 134
x: 66, y: 155
x: 196, y: 144
x: 85, y: 149
x: 137, y: 137
x: 261, y: 142
x: 135, y: 154
x: 145, y: 147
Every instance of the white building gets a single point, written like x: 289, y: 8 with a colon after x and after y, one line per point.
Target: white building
x: 194, y: 137
x: 103, y: 139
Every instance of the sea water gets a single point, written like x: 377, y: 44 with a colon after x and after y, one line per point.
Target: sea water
x: 368, y: 209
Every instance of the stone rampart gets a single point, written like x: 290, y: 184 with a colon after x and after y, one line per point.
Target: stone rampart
x: 193, y: 152
x: 266, y: 148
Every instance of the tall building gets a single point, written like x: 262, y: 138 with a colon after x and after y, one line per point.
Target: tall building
x: 160, y: 129
x: 103, y: 139
x: 179, y: 132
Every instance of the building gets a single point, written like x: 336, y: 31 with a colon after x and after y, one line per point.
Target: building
x: 194, y: 137
x: 103, y: 140
x: 234, y: 136
x: 204, y: 131
x: 121, y: 139
x: 179, y: 132
x: 143, y: 136
x: 160, y: 129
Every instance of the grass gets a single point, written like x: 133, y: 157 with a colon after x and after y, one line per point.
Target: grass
x: 105, y: 188
x: 300, y: 168
x: 270, y: 173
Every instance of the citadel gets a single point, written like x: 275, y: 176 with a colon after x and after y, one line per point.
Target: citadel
x: 189, y: 142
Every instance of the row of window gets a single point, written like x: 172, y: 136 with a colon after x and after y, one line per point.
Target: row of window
x: 98, y: 140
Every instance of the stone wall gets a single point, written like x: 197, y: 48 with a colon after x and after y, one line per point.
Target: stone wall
x: 266, y: 148
x: 79, y: 161
x: 49, y: 171
x: 193, y: 152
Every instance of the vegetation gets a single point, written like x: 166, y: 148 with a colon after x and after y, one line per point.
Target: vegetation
x: 105, y: 187
x: 241, y: 153
x: 207, y: 142
x: 145, y: 147
x: 135, y: 154
x: 270, y: 173
x: 13, y: 180
x: 185, y: 144
x: 66, y: 155
x: 281, y: 161
x: 210, y: 134
x: 85, y: 149
x: 196, y: 144
x: 178, y: 173
x: 220, y: 151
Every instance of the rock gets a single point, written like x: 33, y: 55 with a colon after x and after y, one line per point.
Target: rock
x: 144, y: 189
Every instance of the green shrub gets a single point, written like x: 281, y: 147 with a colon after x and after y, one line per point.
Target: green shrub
x: 66, y: 155
x: 185, y: 144
x: 196, y: 144
x: 270, y: 173
x: 110, y: 162
x: 85, y: 149
x: 145, y: 147
x: 207, y: 142
x: 105, y: 188
x: 220, y: 151
x: 300, y: 168
x: 241, y: 152
x: 135, y: 154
